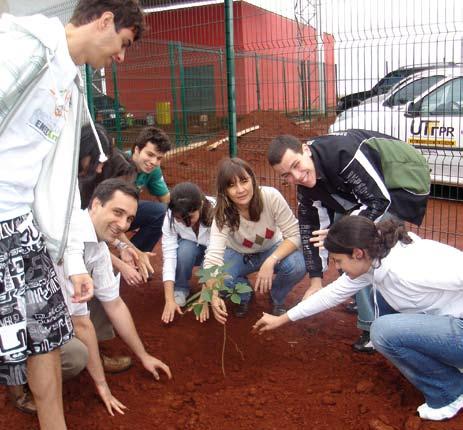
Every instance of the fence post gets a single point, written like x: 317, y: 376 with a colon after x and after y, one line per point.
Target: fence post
x: 320, y: 57
x: 182, y: 94
x: 222, y: 87
x: 256, y: 59
x: 117, y: 107
x: 309, y: 92
x: 230, y: 53
x: 284, y: 86
x: 303, y: 83
x: 174, y: 91
x: 89, y: 88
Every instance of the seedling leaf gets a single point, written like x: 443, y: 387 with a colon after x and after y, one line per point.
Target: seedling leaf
x: 241, y: 288
x: 235, y: 298
x: 206, y: 295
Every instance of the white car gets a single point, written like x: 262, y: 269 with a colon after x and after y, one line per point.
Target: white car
x: 426, y: 112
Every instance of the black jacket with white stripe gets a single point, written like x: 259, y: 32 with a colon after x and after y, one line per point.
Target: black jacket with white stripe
x: 349, y: 180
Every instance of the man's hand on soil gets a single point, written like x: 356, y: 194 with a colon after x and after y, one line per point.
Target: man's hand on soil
x: 152, y: 365
x: 83, y: 287
x: 269, y: 322
x: 109, y: 400
x: 130, y: 274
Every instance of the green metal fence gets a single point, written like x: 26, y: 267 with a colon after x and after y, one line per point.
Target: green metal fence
x: 288, y: 65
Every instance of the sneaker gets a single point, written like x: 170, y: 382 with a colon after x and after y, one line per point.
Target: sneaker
x: 278, y: 310
x: 364, y: 344
x: 180, y: 297
x: 439, y: 414
x: 241, y: 310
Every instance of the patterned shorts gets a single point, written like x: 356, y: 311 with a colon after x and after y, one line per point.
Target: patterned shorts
x: 33, y: 315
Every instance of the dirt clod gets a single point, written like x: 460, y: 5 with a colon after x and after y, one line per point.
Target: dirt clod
x: 412, y: 423
x: 377, y: 424
x: 328, y: 400
x: 364, y: 387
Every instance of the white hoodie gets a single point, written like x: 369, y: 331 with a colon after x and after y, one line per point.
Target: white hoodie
x: 39, y: 140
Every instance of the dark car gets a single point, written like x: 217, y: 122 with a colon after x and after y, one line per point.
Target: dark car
x: 105, y: 112
x: 384, y: 85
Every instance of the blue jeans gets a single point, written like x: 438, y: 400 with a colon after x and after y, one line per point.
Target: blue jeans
x: 288, y: 272
x: 189, y: 254
x: 148, y: 220
x: 427, y: 350
x: 365, y: 308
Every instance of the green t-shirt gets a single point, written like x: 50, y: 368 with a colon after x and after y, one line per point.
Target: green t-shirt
x: 154, y: 181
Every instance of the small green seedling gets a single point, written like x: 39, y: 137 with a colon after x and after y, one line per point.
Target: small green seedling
x: 204, y: 297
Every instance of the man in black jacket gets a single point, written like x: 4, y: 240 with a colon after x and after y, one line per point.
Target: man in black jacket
x: 354, y: 172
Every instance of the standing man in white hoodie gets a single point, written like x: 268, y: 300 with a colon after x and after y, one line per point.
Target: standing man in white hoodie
x: 41, y: 99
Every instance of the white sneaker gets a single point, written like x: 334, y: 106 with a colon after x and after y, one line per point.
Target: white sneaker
x: 439, y: 414
x: 180, y: 297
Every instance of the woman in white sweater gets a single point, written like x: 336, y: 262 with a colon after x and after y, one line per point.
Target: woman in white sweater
x: 185, y: 236
x: 418, y: 291
x: 254, y: 230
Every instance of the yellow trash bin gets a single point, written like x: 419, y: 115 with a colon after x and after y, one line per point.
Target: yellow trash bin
x: 163, y: 113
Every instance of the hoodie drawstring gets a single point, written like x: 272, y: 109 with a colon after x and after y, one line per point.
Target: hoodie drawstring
x: 102, y: 158
x: 60, y: 106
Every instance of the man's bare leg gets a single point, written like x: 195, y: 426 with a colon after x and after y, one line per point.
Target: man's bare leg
x: 44, y: 377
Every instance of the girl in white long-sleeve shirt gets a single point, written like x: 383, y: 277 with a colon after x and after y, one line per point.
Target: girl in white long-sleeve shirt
x: 422, y: 282
x: 185, y: 237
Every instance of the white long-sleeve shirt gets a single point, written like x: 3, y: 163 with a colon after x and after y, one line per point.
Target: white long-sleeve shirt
x: 170, y: 235
x: 98, y: 263
x: 424, y: 276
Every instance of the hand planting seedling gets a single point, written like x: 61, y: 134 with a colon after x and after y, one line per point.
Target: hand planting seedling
x: 204, y: 298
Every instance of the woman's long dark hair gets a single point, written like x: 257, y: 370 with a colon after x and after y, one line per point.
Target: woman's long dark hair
x: 226, y: 213
x: 359, y: 232
x: 186, y: 198
x: 117, y: 166
x: 89, y: 148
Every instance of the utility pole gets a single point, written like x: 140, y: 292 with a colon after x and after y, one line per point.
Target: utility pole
x: 308, y: 13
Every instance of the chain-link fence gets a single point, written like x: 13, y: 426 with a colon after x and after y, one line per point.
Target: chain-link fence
x: 297, y: 67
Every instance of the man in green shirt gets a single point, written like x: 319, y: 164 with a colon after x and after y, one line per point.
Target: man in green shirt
x: 149, y: 149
